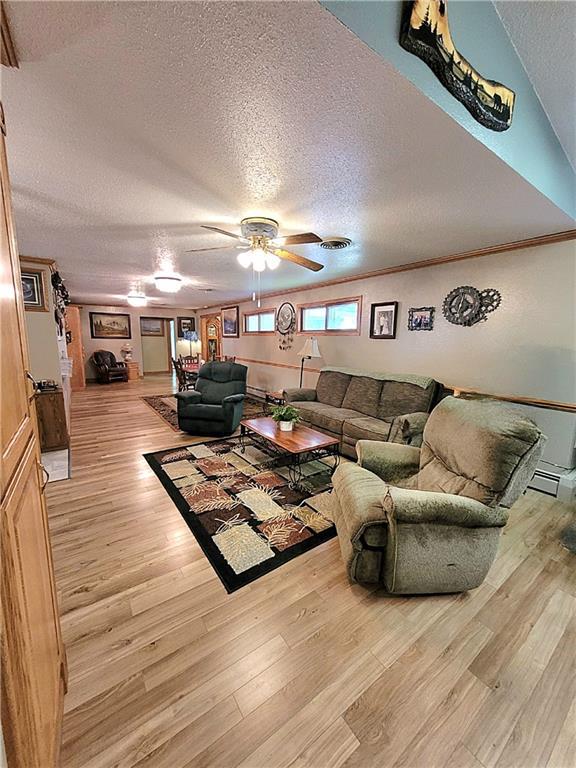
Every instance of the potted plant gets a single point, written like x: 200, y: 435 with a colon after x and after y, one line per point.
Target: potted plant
x: 286, y: 416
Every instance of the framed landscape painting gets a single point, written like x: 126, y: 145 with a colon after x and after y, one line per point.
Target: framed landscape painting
x: 151, y: 326
x: 33, y: 290
x: 383, y: 320
x: 230, y: 322
x: 108, y: 325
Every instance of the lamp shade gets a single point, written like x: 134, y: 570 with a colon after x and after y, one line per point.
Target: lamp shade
x: 310, y: 348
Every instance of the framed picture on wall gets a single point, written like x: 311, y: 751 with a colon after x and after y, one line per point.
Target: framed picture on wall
x: 230, y: 322
x: 151, y: 326
x: 109, y: 325
x: 33, y: 290
x: 421, y: 318
x: 383, y: 320
x: 184, y: 324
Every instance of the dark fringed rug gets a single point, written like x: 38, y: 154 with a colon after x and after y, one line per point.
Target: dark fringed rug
x: 240, y: 507
x: 165, y: 406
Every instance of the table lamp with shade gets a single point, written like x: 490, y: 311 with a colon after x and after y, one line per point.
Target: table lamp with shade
x: 192, y: 338
x: 308, y: 351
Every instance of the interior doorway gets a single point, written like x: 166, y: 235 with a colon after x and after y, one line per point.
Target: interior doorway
x: 157, y: 335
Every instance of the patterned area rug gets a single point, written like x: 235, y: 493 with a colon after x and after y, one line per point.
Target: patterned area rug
x: 240, y: 507
x: 165, y: 406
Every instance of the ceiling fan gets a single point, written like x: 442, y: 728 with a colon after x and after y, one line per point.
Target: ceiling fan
x: 261, y: 247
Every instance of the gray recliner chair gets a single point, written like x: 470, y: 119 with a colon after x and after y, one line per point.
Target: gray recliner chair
x: 215, y: 405
x: 428, y: 520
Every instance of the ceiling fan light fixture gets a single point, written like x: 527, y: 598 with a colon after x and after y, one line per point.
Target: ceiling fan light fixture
x: 168, y: 283
x: 137, y: 299
x: 272, y: 261
x: 244, y: 258
x: 259, y: 259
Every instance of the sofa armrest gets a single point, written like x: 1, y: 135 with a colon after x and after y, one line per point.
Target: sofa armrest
x: 390, y: 461
x: 189, y: 397
x: 299, y: 394
x: 409, y: 428
x: 234, y: 399
x: 360, y: 495
x: 120, y: 364
x: 444, y: 509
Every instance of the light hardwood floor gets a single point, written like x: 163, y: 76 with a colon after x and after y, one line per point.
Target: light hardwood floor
x: 299, y: 668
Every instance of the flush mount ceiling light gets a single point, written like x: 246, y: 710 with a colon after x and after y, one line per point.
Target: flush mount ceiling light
x: 168, y: 283
x: 137, y: 299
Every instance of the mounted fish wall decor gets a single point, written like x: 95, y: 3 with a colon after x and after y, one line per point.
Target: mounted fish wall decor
x: 426, y: 34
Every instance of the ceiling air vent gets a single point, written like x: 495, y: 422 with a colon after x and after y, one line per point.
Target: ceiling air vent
x: 335, y: 243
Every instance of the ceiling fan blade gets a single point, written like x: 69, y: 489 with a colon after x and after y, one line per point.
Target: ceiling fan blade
x: 296, y: 259
x: 305, y: 237
x: 223, y: 232
x: 214, y: 248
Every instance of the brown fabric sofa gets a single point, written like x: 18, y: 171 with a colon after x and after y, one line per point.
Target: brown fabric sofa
x: 429, y: 520
x: 354, y: 405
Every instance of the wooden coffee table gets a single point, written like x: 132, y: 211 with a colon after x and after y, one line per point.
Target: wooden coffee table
x: 295, y: 448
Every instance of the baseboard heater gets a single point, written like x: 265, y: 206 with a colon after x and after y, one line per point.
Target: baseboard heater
x: 555, y: 481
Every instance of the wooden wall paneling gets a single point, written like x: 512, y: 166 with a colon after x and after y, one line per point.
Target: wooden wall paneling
x: 76, y: 347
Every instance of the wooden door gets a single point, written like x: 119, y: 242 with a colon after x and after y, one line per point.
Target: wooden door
x: 75, y: 347
x: 211, y: 337
x: 32, y: 654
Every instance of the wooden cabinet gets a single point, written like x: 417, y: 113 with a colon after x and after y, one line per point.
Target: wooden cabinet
x: 32, y: 654
x: 133, y: 371
x: 52, y: 423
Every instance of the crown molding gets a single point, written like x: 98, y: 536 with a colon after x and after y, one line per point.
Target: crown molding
x: 516, y: 245
x: 37, y: 260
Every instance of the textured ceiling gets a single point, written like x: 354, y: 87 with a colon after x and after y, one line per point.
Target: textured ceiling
x: 130, y: 124
x: 544, y: 35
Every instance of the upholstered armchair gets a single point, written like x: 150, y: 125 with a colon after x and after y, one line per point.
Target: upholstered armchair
x: 108, y: 369
x: 428, y: 520
x: 215, y: 405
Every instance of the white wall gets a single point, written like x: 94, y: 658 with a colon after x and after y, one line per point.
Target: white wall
x: 526, y: 347
x: 42, y: 333
x: 115, y: 345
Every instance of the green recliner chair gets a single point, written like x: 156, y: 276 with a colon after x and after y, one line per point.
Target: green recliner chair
x: 214, y: 407
x: 428, y: 520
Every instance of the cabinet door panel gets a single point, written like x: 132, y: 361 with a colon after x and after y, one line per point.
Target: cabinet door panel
x: 33, y: 664
x: 31, y: 650
x: 15, y: 409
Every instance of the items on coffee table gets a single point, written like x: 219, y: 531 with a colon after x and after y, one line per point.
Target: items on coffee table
x: 295, y: 448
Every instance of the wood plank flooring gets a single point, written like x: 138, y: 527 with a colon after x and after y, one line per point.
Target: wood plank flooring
x: 299, y: 668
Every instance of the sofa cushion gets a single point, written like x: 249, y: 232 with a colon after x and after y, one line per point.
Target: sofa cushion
x: 331, y: 387
x: 398, y: 398
x: 366, y: 428
x: 325, y: 417
x: 363, y: 394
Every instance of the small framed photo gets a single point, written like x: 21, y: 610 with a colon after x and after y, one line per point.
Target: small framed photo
x: 421, y: 318
x: 185, y: 324
x: 108, y: 325
x: 33, y: 290
x: 151, y: 326
x: 230, y: 322
x: 383, y: 320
